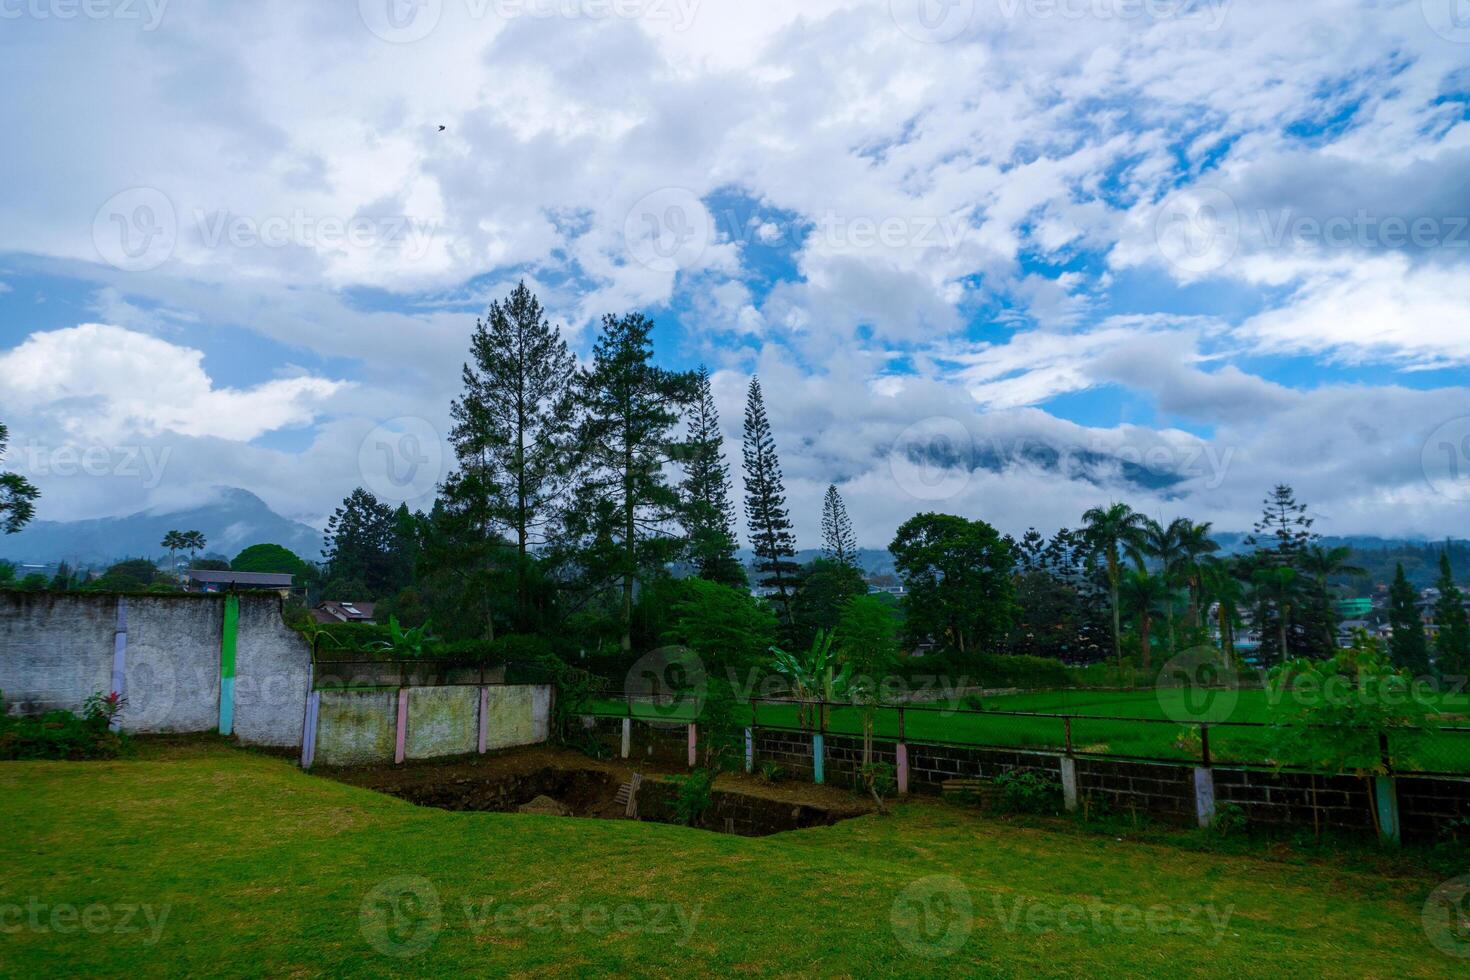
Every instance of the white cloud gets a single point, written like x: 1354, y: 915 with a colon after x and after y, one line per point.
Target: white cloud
x: 109, y: 382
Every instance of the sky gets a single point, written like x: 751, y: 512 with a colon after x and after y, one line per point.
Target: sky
x: 1008, y: 259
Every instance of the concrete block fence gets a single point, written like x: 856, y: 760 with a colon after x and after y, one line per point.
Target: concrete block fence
x: 1410, y: 808
x: 351, y: 728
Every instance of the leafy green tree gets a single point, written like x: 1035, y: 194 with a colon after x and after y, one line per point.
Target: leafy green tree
x: 1284, y: 531
x: 1113, y: 532
x: 1408, y: 646
x: 707, y: 509
x: 465, y: 571
x: 1278, y: 592
x: 269, y: 558
x: 514, y: 422
x: 959, y: 578
x: 868, y: 637
x: 1195, y: 546
x: 815, y: 674
x: 1221, y: 585
x: 1061, y: 611
x: 193, y: 542
x: 131, y: 575
x: 62, y: 580
x: 7, y: 571
x: 1452, y: 642
x: 839, y: 542
x: 626, y: 511
x: 727, y: 627
x: 771, y: 537
x: 17, y: 495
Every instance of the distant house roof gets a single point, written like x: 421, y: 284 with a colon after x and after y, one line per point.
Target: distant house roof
x: 264, y: 580
x: 343, y: 612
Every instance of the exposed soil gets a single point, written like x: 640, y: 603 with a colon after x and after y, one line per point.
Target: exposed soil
x: 542, y: 779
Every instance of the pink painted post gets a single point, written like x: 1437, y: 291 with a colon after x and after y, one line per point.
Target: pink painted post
x: 693, y: 744
x: 903, y: 768
x: 402, y: 737
x: 484, y: 717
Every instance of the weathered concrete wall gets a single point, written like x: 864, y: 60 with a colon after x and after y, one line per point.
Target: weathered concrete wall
x: 57, y: 649
x: 442, y: 721
x: 272, y: 675
x: 172, y: 658
x: 518, y: 715
x: 356, y: 727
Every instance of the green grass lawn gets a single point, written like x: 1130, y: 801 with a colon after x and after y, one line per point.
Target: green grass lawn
x: 1105, y: 725
x: 244, y: 866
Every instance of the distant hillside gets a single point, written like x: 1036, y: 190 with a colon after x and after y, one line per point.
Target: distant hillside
x: 233, y: 520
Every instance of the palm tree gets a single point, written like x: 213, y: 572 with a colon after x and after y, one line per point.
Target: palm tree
x: 174, y: 542
x: 1143, y: 594
x: 1166, y: 543
x: 1322, y: 564
x: 1221, y: 582
x: 193, y: 542
x: 1281, y: 587
x: 1195, y: 544
x: 1109, y: 531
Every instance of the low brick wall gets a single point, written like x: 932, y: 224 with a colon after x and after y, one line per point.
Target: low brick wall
x: 1160, y: 791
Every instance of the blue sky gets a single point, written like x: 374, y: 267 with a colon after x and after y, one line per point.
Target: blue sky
x: 1228, y: 239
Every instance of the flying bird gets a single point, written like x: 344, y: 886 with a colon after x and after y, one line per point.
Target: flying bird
x: 442, y: 128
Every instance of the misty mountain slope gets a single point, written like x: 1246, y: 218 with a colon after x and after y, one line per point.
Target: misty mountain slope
x: 233, y: 520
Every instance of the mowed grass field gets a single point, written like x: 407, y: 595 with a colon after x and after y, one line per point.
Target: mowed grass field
x: 203, y: 859
x: 1154, y: 724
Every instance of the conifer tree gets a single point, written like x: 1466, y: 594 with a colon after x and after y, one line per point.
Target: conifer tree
x: 626, y: 512
x: 765, y: 505
x: 839, y: 543
x: 708, y: 510
x: 1408, y: 647
x: 512, y: 428
x: 1452, y: 642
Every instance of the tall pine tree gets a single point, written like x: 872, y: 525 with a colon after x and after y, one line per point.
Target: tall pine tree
x: 513, y: 426
x: 626, y: 512
x: 1452, y: 641
x: 708, y: 510
x: 839, y: 543
x: 765, y: 505
x: 1408, y: 645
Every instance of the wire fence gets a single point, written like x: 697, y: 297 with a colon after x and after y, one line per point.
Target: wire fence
x: 1438, y: 751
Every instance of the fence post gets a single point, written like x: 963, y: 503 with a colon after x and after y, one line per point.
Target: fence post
x: 750, y: 750
x: 693, y: 744
x: 400, y: 740
x: 1069, y: 768
x: 1204, y: 781
x: 902, y: 753
x: 484, y: 717
x: 120, y: 657
x: 308, y: 728
x: 627, y: 742
x: 1386, y: 794
x: 819, y: 751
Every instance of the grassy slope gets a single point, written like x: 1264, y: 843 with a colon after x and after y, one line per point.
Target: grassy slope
x: 266, y: 870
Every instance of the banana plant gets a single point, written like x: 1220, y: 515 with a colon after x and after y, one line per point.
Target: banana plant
x: 815, y: 674
x: 404, y: 642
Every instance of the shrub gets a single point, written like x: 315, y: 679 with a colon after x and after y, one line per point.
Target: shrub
x: 1025, y: 791
x: 694, y: 795
x: 62, y: 734
x: 770, y: 772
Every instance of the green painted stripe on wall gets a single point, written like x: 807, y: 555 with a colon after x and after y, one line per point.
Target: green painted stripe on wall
x: 228, y: 637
